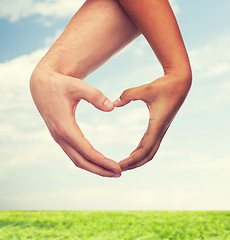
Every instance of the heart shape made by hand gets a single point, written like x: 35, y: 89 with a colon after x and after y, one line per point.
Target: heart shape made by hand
x: 116, y: 133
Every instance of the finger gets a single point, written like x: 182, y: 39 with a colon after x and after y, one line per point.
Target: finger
x: 150, y: 155
x: 71, y: 133
x: 128, y: 95
x: 146, y: 159
x: 81, y: 90
x: 151, y: 137
x: 81, y: 162
x: 139, y: 145
x: 66, y: 128
x: 99, y: 100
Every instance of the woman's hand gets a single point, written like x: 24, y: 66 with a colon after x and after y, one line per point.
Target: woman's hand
x: 163, y: 98
x: 157, y: 22
x: 56, y: 97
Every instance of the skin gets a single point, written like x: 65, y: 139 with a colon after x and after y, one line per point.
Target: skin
x: 57, y: 87
x: 56, y: 83
x: 164, y: 96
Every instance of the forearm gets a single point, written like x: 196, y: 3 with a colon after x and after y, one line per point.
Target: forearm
x: 96, y: 32
x: 155, y: 19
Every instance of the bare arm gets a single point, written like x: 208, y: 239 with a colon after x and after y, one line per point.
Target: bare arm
x: 100, y: 29
x: 164, y: 96
x: 97, y: 31
x: 156, y: 21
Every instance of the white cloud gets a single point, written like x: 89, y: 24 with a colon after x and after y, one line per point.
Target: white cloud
x: 225, y: 85
x: 211, y: 70
x: 211, y: 60
x: 222, y: 93
x: 17, y: 71
x: 120, y: 129
x: 112, y: 199
x: 17, y: 9
x: 50, y: 40
x: 20, y: 126
x: 14, y: 78
x: 194, y: 161
x: 14, y: 133
x: 24, y: 146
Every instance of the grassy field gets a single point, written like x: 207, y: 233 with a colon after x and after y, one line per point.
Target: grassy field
x: 111, y: 225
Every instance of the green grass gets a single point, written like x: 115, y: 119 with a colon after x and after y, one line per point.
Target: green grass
x: 111, y: 225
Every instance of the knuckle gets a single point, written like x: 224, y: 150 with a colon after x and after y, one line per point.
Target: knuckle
x: 148, y: 87
x: 91, y: 150
x: 149, y: 157
x: 59, y: 132
x: 96, y: 95
x: 103, y: 175
x: 56, y: 139
x: 77, y: 162
x: 146, y: 150
x: 126, y: 94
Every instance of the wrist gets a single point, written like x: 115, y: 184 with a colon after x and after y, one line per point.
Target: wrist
x: 42, y: 76
x: 48, y: 68
x: 181, y: 73
x: 181, y: 79
x: 58, y: 61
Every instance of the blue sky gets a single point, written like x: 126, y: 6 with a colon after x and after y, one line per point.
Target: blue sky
x: 191, y: 168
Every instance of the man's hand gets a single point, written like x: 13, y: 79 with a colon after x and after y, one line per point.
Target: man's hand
x: 56, y: 97
x: 163, y: 98
x: 98, y: 30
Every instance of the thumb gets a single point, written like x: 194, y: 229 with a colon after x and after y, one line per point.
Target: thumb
x: 98, y: 99
x: 77, y: 90
x: 128, y: 95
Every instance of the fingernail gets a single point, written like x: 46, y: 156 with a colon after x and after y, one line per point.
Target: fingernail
x: 117, y: 175
x: 108, y: 103
x: 117, y: 101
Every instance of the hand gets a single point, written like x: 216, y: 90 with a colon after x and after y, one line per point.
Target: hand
x: 56, y: 97
x: 163, y: 98
x: 57, y: 86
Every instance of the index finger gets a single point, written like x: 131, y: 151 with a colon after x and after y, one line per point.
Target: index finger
x: 72, y: 134
x: 81, y: 162
x: 153, y: 134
